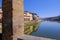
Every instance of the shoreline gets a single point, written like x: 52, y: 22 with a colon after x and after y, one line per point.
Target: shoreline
x: 31, y: 27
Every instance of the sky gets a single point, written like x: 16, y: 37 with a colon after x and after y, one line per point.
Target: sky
x: 43, y: 8
x: 0, y: 3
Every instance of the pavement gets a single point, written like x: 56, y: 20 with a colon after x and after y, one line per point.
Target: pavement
x: 29, y: 37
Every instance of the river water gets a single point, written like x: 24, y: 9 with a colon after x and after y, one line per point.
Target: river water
x: 48, y: 29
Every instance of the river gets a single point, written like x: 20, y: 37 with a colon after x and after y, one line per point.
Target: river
x: 48, y: 29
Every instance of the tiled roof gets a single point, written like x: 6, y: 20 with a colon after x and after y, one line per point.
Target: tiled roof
x: 30, y: 12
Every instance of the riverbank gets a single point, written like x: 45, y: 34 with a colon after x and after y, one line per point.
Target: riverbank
x: 0, y: 28
x: 30, y: 26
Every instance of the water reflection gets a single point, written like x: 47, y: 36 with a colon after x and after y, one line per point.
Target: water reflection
x: 49, y: 29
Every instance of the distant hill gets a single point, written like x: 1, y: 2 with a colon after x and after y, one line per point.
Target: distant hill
x: 56, y: 18
x: 0, y: 7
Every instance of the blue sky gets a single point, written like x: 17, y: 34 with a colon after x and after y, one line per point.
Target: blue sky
x: 43, y: 8
x: 0, y: 3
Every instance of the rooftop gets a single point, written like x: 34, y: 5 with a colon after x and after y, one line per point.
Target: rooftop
x: 30, y: 12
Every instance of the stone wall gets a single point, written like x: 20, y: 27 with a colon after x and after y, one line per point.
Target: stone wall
x: 13, y: 19
x: 18, y: 18
x: 7, y: 20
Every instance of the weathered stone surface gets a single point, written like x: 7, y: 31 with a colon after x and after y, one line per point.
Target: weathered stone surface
x: 7, y: 20
x: 18, y: 18
x: 29, y: 37
x: 13, y: 19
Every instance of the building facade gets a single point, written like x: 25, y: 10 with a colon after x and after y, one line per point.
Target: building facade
x: 28, y: 16
x: 0, y: 15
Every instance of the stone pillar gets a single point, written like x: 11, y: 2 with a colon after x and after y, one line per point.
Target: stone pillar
x: 13, y: 19
x: 18, y: 18
x: 7, y: 20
